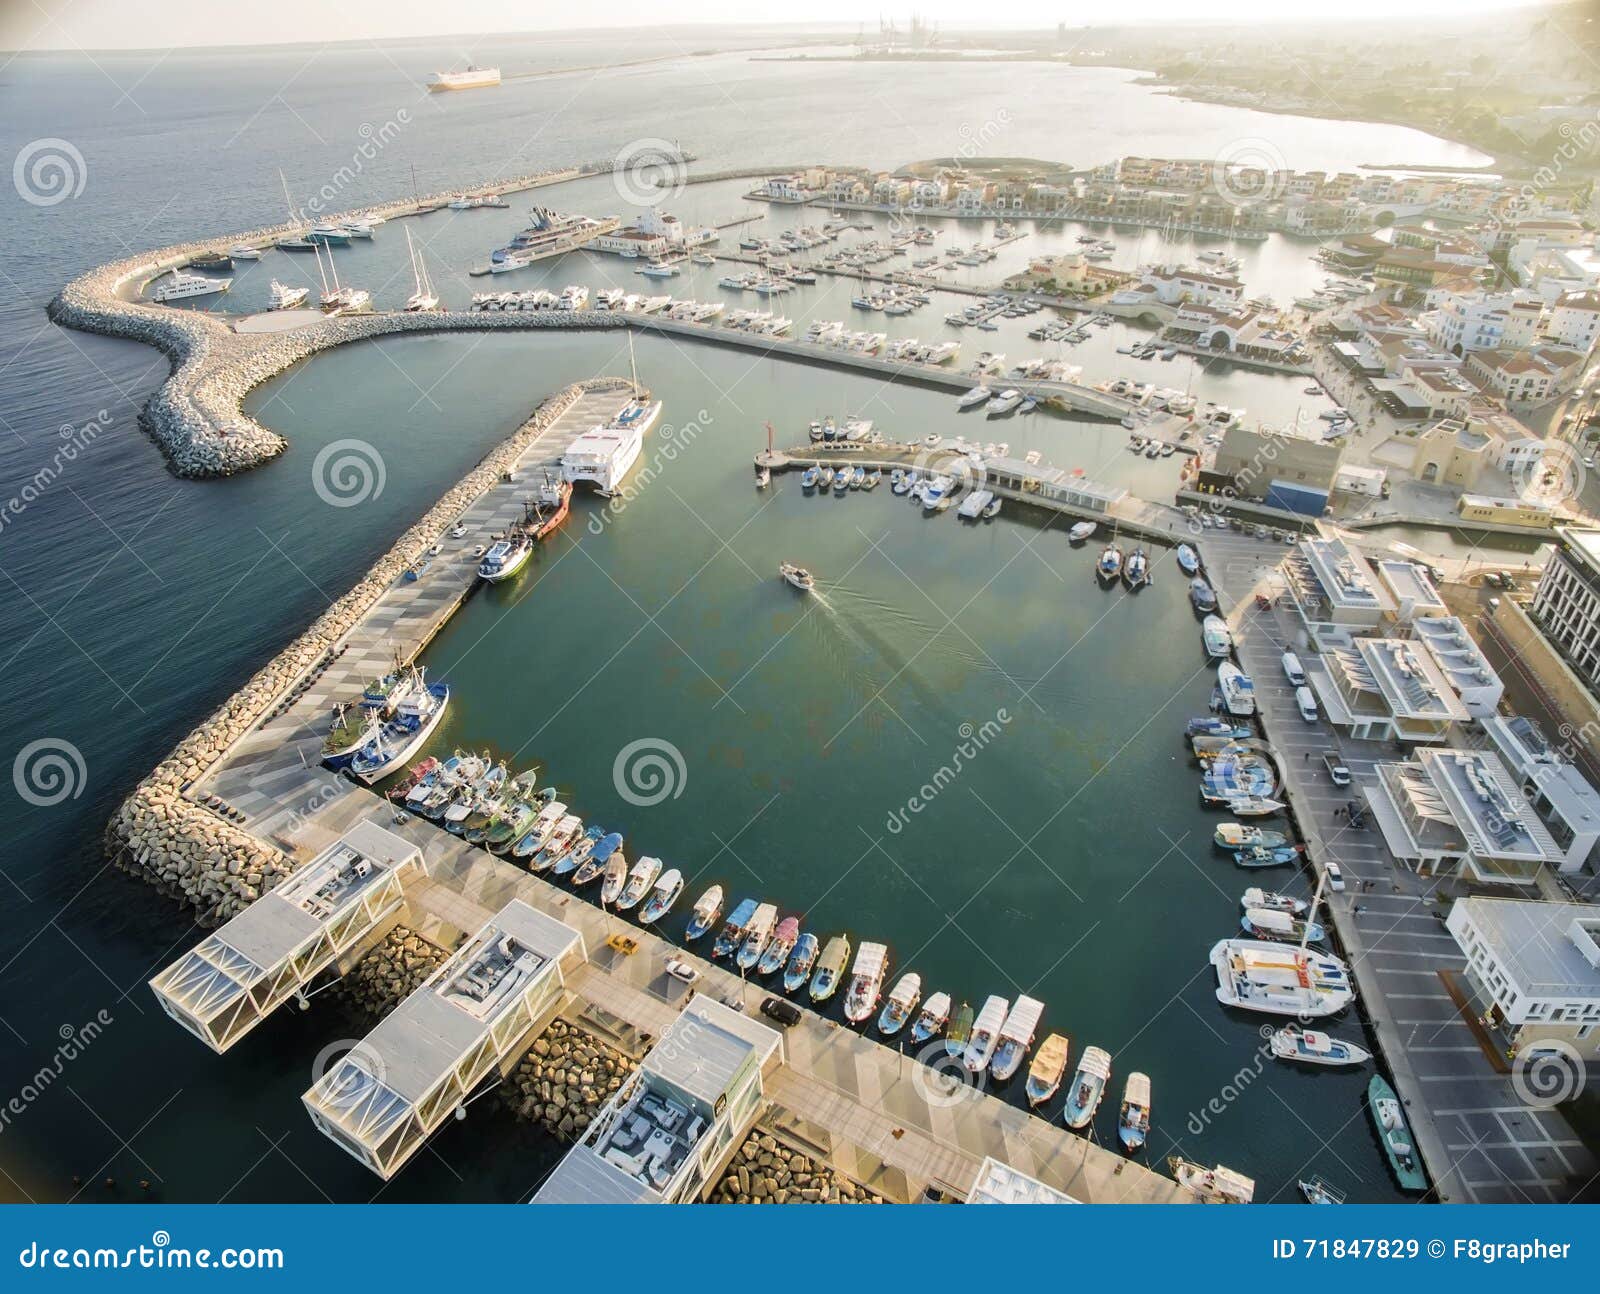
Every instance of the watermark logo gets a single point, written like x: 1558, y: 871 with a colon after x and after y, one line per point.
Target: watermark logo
x: 48, y: 771
x: 1550, y: 478
x: 1548, y: 1074
x: 1249, y: 170
x: 973, y: 739
x: 648, y: 771
x: 346, y: 473
x: 75, y: 1040
x: 671, y: 441
x: 943, y: 1081
x: 348, y: 1081
x: 47, y: 172
x: 648, y: 172
x: 1243, y: 1078
x: 371, y: 141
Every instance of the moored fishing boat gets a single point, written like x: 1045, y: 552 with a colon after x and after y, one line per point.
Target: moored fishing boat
x: 1188, y: 559
x: 568, y: 831
x: 931, y: 1022
x: 707, y: 908
x: 1109, y: 564
x: 1015, y: 1037
x: 456, y: 777
x: 866, y: 981
x: 1389, y: 1118
x: 778, y: 948
x: 1275, y: 979
x: 612, y: 879
x: 1049, y: 1065
x: 808, y: 478
x: 1255, y: 897
x: 1266, y: 923
x: 830, y: 968
x: 640, y: 878
x: 1217, y: 1185
x: 1133, y: 1121
x: 1136, y: 570
x: 413, y: 778
x: 756, y: 936
x: 1088, y: 1087
x: 1238, y: 689
x: 351, y: 730
x: 663, y: 895
x: 1310, y: 1047
x: 1214, y: 725
x: 1202, y: 596
x: 1263, y: 856
x: 1234, y: 835
x: 733, y: 929
x: 405, y: 734
x: 531, y: 841
x: 959, y: 1032
x: 1216, y: 636
x: 578, y: 855
x: 903, y: 999
x: 801, y: 962
x: 985, y: 1034
x: 600, y: 858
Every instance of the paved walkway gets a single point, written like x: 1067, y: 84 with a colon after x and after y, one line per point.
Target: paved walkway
x: 1478, y: 1139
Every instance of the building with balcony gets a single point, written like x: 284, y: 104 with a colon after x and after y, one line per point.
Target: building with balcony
x: 1566, y: 802
x: 1336, y: 592
x: 1566, y: 604
x: 1384, y: 689
x: 670, y: 1130
x: 1534, y: 968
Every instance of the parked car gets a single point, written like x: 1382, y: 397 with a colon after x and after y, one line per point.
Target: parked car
x: 785, y: 1013
x: 1293, y: 670
x: 682, y: 971
x: 1335, y: 876
x: 1306, y: 703
x: 1337, y: 772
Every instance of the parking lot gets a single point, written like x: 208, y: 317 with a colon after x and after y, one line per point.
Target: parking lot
x: 1479, y: 1140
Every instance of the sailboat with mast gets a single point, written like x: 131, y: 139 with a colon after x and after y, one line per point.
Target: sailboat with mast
x: 424, y: 298
x: 338, y: 299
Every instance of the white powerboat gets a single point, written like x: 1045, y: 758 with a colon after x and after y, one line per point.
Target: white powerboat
x: 866, y: 982
x: 1312, y: 1048
x: 1238, y: 691
x: 976, y: 396
x: 935, y: 1015
x: 1088, y: 1087
x: 1081, y: 531
x: 1217, y: 1185
x: 179, y: 286
x: 640, y: 879
x: 903, y: 999
x: 1216, y: 635
x: 663, y: 895
x: 1015, y: 1037
x: 985, y: 1035
x: 1274, y: 979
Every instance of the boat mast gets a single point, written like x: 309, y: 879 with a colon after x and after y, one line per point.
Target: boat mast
x: 633, y: 367
x: 1311, y: 916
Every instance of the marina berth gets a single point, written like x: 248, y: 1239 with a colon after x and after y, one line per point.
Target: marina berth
x: 1309, y: 1047
x: 931, y: 1021
x: 830, y: 968
x: 778, y: 948
x: 734, y: 929
x: 663, y: 894
x: 1088, y: 1087
x: 1048, y: 1068
x: 1015, y: 1038
x: 757, y: 934
x: 640, y: 878
x: 707, y: 908
x: 866, y: 982
x: 902, y: 1001
x: 1274, y: 979
x: 985, y: 1036
x: 801, y: 962
x: 1133, y: 1121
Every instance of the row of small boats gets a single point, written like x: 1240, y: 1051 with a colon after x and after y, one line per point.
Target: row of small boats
x: 395, y: 716
x: 822, y: 479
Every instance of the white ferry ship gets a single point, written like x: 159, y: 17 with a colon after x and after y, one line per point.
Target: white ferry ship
x: 473, y: 78
x: 604, y: 456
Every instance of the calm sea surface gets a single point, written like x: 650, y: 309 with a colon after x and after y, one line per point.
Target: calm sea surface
x: 1069, y: 860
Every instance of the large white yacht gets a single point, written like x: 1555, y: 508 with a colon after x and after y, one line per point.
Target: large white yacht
x: 603, y: 456
x: 178, y: 285
x: 1256, y: 975
x: 285, y: 297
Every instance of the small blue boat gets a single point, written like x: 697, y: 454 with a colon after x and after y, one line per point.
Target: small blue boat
x: 598, y: 857
x: 801, y: 960
x: 733, y: 930
x: 808, y: 479
x: 579, y: 853
x: 1262, y: 856
x: 1188, y: 560
x: 707, y: 908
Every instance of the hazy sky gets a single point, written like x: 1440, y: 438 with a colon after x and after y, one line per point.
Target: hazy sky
x: 161, y: 24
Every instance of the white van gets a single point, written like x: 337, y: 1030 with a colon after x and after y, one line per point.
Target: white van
x: 1307, y: 703
x: 1292, y: 670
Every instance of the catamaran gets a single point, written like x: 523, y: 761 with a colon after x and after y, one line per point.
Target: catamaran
x: 779, y: 946
x: 662, y: 896
x: 985, y: 1034
x: 1312, y: 1048
x: 935, y: 1015
x: 707, y: 908
x: 638, y: 883
x: 801, y: 961
x: 733, y: 929
x: 1256, y: 975
x: 401, y: 737
x: 1217, y: 1185
x: 866, y: 981
x: 830, y: 968
x: 1088, y: 1087
x: 1049, y: 1064
x: 756, y: 936
x: 1133, y: 1121
x: 903, y: 999
x: 1015, y: 1037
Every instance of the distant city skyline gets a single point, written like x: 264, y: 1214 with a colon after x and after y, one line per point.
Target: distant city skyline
x: 147, y: 24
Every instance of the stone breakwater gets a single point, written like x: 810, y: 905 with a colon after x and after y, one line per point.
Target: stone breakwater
x: 389, y: 972
x: 200, y: 858
x: 565, y: 1079
x: 765, y: 1171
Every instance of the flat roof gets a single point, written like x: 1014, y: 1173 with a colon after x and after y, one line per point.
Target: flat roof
x: 706, y: 1046
x: 1533, y: 943
x: 1410, y: 682
x: 1455, y: 653
x: 1487, y: 805
x: 1061, y: 478
x: 999, y: 1183
x: 1346, y: 577
x: 1583, y: 542
x: 1571, y: 795
x: 1408, y: 582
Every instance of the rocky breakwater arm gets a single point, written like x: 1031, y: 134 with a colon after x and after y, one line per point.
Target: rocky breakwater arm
x: 162, y: 835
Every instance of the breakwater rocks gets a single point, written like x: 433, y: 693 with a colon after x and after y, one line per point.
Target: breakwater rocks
x: 765, y: 1171
x: 206, y: 862
x: 565, y: 1079
x: 394, y: 967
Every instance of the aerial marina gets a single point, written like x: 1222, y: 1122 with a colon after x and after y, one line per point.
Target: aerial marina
x: 660, y: 800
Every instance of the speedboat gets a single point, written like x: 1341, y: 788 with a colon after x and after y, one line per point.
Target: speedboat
x: 285, y: 297
x: 1109, y: 565
x: 1217, y: 1185
x: 733, y: 929
x: 1216, y: 635
x: 976, y: 396
x: 244, y: 252
x: 663, y: 894
x: 985, y: 1034
x: 825, y: 478
x: 1005, y: 401
x: 959, y: 1032
x: 798, y: 576
x: 1238, y: 691
x: 1389, y: 1118
x: 1088, y: 1087
x: 1188, y: 560
x: 1264, y: 923
x: 1081, y: 531
x: 1272, y: 901
x: 935, y: 1015
x: 1312, y: 1048
x: 903, y: 999
x: 1319, y: 1190
x: 1275, y: 979
x: 779, y: 947
x: 936, y: 496
x: 707, y: 908
x: 1234, y: 835
x: 830, y: 968
x: 1015, y: 1037
x: 613, y: 879
x: 640, y: 878
x: 1263, y: 855
x: 1202, y: 596
x: 866, y: 981
x: 1049, y: 1064
x: 808, y: 478
x: 801, y: 962
x: 1133, y: 1121
x: 600, y: 858
x: 756, y: 936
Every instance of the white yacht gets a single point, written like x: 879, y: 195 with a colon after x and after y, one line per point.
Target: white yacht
x: 640, y: 879
x: 936, y: 494
x: 472, y: 78
x: 866, y: 982
x: 179, y: 286
x: 244, y: 252
x: 1005, y: 401
x: 285, y: 297
x: 1312, y: 1048
x: 1217, y: 637
x: 978, y: 395
x: 1015, y: 1037
x: 985, y: 1035
x: 603, y: 456
x: 1238, y: 690
x: 1273, y: 979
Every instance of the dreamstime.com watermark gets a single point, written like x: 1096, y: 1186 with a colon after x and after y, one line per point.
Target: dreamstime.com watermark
x: 1241, y: 1082
x: 648, y: 172
x: 72, y: 442
x: 649, y: 771
x: 347, y: 473
x: 973, y: 742
x: 48, y: 771
x: 75, y: 1040
x: 373, y: 140
x: 159, y: 1255
x: 669, y: 442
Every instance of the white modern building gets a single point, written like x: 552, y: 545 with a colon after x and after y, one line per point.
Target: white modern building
x: 1564, y: 799
x: 471, y: 1018
x: 328, y: 910
x: 1452, y: 812
x: 1384, y: 689
x: 1335, y: 590
x: 1534, y: 968
x: 1468, y: 321
x: 671, y: 1129
x: 999, y: 1183
x: 1412, y: 589
x: 1566, y: 604
x: 1461, y: 662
